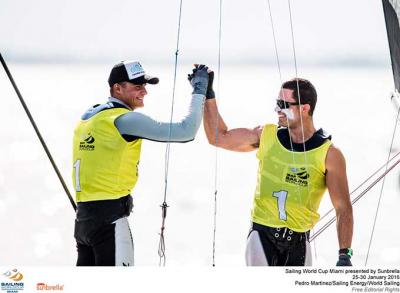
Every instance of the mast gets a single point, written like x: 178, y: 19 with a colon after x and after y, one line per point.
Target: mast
x: 391, y: 10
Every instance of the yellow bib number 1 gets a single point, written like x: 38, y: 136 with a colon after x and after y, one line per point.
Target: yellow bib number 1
x: 77, y: 166
x: 281, y: 198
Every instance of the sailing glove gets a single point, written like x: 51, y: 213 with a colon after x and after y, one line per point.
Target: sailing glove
x: 344, y: 261
x: 199, y: 79
x: 210, y: 91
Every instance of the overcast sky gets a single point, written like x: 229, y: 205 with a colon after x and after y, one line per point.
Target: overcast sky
x: 91, y: 31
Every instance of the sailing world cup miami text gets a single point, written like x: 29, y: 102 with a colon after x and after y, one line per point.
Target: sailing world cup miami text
x: 362, y: 280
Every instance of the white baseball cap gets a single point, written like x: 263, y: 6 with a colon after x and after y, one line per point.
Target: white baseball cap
x: 131, y: 71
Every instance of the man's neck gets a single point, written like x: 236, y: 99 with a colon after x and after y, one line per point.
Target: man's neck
x: 114, y: 99
x: 301, y: 134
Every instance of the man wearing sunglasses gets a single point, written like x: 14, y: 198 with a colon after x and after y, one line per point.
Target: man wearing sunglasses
x: 297, y: 164
x: 106, y: 153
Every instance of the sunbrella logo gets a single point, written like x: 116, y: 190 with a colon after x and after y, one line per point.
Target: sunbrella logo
x: 15, y: 286
x: 46, y: 287
x: 87, y: 143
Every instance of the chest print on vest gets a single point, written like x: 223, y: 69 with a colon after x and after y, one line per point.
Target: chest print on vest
x: 87, y: 143
x: 297, y: 176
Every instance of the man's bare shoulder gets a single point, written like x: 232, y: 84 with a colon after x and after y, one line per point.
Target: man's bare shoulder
x: 258, y: 130
x: 334, y: 157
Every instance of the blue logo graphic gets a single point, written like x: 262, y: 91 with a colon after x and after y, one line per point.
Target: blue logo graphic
x: 136, y: 68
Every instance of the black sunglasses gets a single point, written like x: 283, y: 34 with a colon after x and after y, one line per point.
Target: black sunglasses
x: 285, y: 105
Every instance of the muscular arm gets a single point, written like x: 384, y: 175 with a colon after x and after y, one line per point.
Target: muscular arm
x: 336, y: 181
x: 238, y: 139
x: 142, y: 126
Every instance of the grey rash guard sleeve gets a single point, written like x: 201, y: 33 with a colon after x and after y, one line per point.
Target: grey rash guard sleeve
x: 142, y: 126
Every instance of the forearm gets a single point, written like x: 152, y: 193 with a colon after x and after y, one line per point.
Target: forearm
x: 344, y: 220
x: 142, y: 126
x: 211, y: 120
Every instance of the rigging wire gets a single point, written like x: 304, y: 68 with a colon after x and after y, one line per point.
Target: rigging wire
x: 46, y: 149
x: 298, y: 90
x: 217, y: 133
x: 299, y: 96
x: 382, y: 186
x: 164, y: 205
x: 275, y: 43
x: 333, y: 219
x: 362, y: 183
x: 281, y: 80
x: 280, y: 75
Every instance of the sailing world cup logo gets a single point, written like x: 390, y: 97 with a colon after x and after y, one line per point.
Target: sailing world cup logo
x: 87, y: 142
x: 297, y: 176
x: 14, y: 283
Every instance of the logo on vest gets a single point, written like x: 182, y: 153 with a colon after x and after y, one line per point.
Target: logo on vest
x: 87, y: 143
x: 297, y: 176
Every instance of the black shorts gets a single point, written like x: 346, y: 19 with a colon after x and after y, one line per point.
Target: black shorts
x: 282, y: 246
x: 102, y: 233
x: 104, y: 245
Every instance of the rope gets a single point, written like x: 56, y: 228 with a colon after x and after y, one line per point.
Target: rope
x: 381, y: 192
x: 361, y: 184
x: 164, y: 206
x: 161, y: 245
x: 332, y: 220
x: 281, y: 80
x: 217, y: 134
x: 275, y: 44
x: 28, y: 113
x: 298, y: 90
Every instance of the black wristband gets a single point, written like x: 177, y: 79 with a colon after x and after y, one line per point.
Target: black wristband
x: 347, y: 251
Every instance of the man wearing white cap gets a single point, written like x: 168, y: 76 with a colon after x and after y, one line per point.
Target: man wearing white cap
x: 106, y: 153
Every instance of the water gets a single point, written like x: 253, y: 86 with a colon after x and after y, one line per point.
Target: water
x: 37, y: 219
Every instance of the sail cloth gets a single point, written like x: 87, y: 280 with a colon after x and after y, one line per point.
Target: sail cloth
x: 391, y: 9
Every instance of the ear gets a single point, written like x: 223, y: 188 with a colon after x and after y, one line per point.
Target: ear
x: 117, y: 88
x: 305, y: 108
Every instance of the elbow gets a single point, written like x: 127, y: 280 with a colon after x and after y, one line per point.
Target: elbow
x: 213, y: 140
x: 188, y: 138
x: 184, y: 137
x: 191, y: 132
x: 216, y: 138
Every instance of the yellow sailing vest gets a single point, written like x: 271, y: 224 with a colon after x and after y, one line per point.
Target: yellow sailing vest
x: 290, y: 185
x: 105, y: 164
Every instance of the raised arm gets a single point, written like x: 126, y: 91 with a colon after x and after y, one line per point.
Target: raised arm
x: 336, y: 181
x: 138, y: 125
x: 238, y: 139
